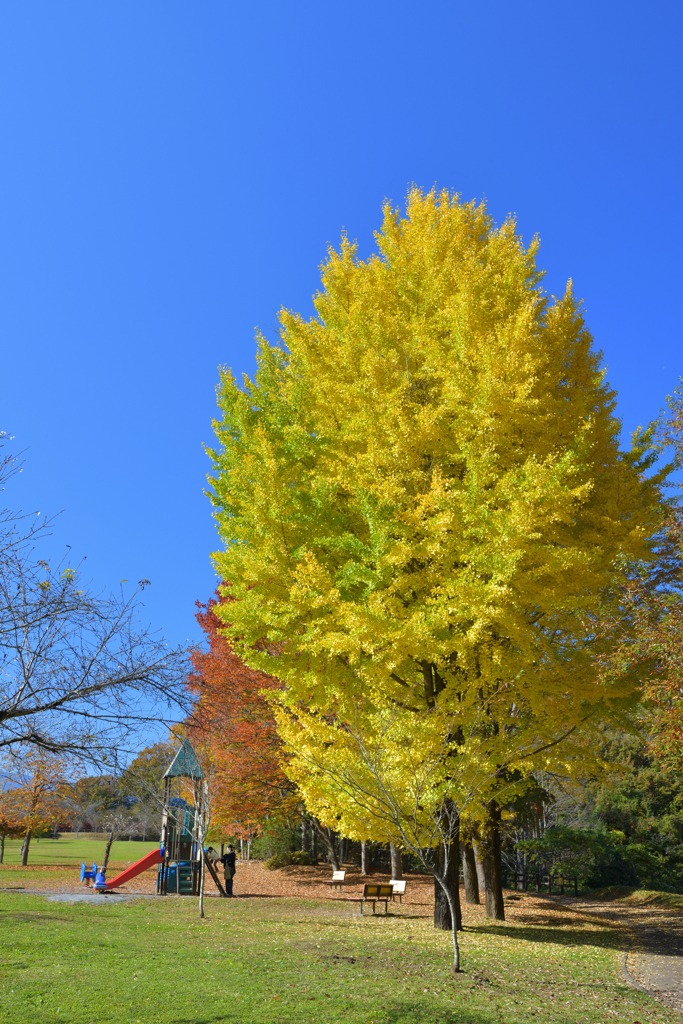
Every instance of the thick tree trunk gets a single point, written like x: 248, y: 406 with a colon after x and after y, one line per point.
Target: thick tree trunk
x: 396, y: 863
x: 469, y: 870
x: 442, y: 910
x: 314, y: 845
x: 24, y: 848
x: 491, y: 857
x: 305, y: 836
x: 364, y: 858
x: 328, y: 842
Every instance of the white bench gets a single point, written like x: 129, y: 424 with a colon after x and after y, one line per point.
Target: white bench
x: 397, y: 889
x: 338, y: 879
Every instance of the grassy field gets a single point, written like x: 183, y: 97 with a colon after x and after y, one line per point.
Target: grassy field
x: 71, y: 852
x: 281, y: 961
x: 57, y: 862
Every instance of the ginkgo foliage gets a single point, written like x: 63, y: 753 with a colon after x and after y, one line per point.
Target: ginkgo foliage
x: 424, y: 503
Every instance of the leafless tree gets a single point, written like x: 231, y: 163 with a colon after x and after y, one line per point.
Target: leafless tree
x: 117, y: 823
x: 78, y: 673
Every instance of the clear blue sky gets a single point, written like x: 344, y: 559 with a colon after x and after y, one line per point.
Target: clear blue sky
x: 172, y: 173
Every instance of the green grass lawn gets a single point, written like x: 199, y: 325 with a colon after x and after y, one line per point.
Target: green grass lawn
x: 280, y: 961
x: 71, y: 852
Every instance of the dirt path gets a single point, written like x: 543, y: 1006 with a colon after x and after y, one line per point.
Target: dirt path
x: 654, y: 960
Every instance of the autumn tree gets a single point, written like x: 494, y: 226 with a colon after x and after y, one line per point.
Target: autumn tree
x: 34, y: 800
x: 423, y: 497
x: 233, y: 716
x: 145, y: 773
x: 9, y: 827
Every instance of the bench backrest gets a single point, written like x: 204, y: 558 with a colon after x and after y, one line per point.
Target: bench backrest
x: 374, y: 891
x: 399, y: 887
x: 338, y: 876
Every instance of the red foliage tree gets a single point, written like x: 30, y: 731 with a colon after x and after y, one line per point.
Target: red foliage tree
x: 233, y: 719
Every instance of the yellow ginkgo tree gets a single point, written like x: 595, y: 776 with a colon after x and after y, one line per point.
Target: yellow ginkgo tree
x: 424, y: 502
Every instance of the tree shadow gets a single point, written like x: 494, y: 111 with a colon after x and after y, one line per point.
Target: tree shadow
x: 401, y: 1011
x: 551, y: 933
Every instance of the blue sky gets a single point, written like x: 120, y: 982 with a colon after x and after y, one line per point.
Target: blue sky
x: 172, y: 173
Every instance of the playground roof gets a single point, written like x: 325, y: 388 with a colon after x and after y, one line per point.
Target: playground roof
x: 185, y: 764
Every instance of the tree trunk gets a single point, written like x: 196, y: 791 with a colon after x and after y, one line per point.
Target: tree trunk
x: 442, y: 910
x: 314, y: 844
x: 2, y: 848
x: 491, y: 857
x: 396, y: 863
x: 479, y: 865
x: 305, y: 836
x: 328, y: 842
x: 24, y: 848
x: 469, y: 870
x: 363, y: 858
x: 107, y: 850
x: 453, y: 910
x: 201, y: 882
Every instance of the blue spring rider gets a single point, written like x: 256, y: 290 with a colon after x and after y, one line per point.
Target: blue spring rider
x: 88, y: 874
x: 99, y: 881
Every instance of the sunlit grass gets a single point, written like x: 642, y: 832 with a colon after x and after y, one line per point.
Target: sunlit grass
x: 74, y: 851
x: 276, y: 961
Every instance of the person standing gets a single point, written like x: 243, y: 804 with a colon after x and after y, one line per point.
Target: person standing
x: 229, y: 868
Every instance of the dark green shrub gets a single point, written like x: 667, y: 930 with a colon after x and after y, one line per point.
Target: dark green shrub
x: 284, y: 859
x: 277, y: 838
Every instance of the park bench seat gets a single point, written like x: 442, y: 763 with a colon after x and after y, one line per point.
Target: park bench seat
x: 374, y: 893
x: 338, y: 879
x: 398, y: 889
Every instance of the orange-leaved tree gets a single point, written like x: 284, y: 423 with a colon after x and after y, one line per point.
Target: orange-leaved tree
x: 8, y: 826
x: 232, y: 717
x: 35, y: 801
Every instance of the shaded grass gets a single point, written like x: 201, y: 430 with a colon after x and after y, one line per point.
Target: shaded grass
x: 281, y: 961
x: 670, y: 900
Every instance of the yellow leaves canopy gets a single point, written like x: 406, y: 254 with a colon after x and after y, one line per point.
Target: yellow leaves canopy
x: 422, y: 494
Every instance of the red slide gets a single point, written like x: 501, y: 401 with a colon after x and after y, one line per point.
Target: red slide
x: 155, y: 857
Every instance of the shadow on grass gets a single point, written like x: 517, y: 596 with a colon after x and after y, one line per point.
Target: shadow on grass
x: 607, y: 938
x: 398, y: 1012
x: 402, y: 1011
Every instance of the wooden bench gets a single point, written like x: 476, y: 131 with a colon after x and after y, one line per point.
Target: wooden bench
x: 398, y: 889
x: 338, y: 879
x: 374, y: 893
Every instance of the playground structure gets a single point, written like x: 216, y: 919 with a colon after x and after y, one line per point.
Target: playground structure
x: 183, y: 827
